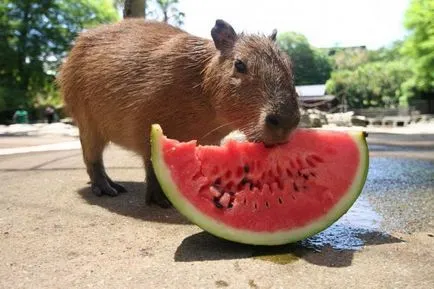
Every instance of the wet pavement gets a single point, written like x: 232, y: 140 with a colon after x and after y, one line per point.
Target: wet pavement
x: 54, y: 233
x: 398, y: 197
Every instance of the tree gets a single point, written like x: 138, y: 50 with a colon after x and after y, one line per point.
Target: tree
x: 374, y: 84
x: 390, y: 52
x: 167, y: 11
x: 311, y: 66
x: 133, y: 8
x: 162, y: 10
x: 35, y: 36
x: 419, y: 45
x: 350, y: 58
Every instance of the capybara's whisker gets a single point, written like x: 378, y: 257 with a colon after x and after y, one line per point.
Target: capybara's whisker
x: 217, y: 128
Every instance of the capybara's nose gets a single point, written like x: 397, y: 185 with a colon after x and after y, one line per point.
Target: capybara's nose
x: 282, y: 122
x: 280, y: 126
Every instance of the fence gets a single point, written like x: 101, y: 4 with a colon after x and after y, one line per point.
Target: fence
x: 378, y: 112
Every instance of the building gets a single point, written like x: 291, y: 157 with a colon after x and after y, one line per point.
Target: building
x: 315, y: 96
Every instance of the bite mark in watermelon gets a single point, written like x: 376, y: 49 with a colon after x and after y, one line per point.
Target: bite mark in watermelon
x: 248, y: 193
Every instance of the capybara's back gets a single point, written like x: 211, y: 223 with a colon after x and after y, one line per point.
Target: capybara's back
x: 109, y: 77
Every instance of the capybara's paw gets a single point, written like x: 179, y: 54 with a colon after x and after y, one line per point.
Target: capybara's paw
x: 161, y: 200
x: 154, y: 195
x: 104, y: 189
x: 119, y: 188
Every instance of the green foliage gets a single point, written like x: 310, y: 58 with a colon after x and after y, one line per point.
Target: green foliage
x: 377, y: 84
x: 11, y: 98
x: 311, y: 66
x: 388, y: 53
x: 35, y: 36
x: 419, y: 46
x: 350, y: 59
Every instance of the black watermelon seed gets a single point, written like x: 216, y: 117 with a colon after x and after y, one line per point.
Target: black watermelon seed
x: 289, y: 173
x: 246, y: 169
x: 310, y: 162
x: 216, y: 203
x: 295, y: 187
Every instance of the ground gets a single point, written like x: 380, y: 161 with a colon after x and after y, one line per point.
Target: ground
x: 55, y: 234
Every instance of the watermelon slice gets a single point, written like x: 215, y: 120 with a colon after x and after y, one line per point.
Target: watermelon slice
x: 248, y: 193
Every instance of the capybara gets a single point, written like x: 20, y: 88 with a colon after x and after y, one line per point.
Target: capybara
x: 120, y: 78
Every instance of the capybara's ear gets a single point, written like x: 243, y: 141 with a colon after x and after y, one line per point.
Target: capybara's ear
x: 224, y: 36
x: 273, y: 35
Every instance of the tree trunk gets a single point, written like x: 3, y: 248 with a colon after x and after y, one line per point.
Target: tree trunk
x: 22, y: 49
x: 134, y: 8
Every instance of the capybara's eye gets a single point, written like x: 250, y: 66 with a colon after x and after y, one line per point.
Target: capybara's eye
x: 240, y: 66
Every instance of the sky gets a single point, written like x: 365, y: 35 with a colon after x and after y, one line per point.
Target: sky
x: 325, y: 23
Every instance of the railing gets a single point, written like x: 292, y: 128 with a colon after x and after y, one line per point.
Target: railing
x: 383, y: 112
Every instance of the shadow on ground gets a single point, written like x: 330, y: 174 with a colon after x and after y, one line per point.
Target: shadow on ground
x: 205, y: 247
x: 132, y: 204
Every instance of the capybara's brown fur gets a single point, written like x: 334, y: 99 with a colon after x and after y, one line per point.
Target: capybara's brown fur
x: 120, y: 78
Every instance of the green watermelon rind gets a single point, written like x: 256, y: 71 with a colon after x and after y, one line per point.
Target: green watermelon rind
x: 257, y: 238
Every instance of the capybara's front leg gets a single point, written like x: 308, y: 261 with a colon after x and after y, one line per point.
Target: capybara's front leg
x: 154, y: 193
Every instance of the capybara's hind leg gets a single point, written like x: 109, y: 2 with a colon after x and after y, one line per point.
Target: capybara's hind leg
x: 93, y: 146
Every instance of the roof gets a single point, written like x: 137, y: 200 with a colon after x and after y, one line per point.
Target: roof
x: 313, y: 92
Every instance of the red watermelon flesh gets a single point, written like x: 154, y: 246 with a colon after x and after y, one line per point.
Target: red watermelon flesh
x: 248, y: 193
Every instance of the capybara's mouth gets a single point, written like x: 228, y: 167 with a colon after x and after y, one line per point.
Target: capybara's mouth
x: 268, y: 143
x: 272, y: 140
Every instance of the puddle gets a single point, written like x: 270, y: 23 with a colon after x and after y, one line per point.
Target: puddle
x: 348, y: 232
x: 353, y: 231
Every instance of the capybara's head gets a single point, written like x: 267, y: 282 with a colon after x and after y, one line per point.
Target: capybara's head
x: 252, y: 85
